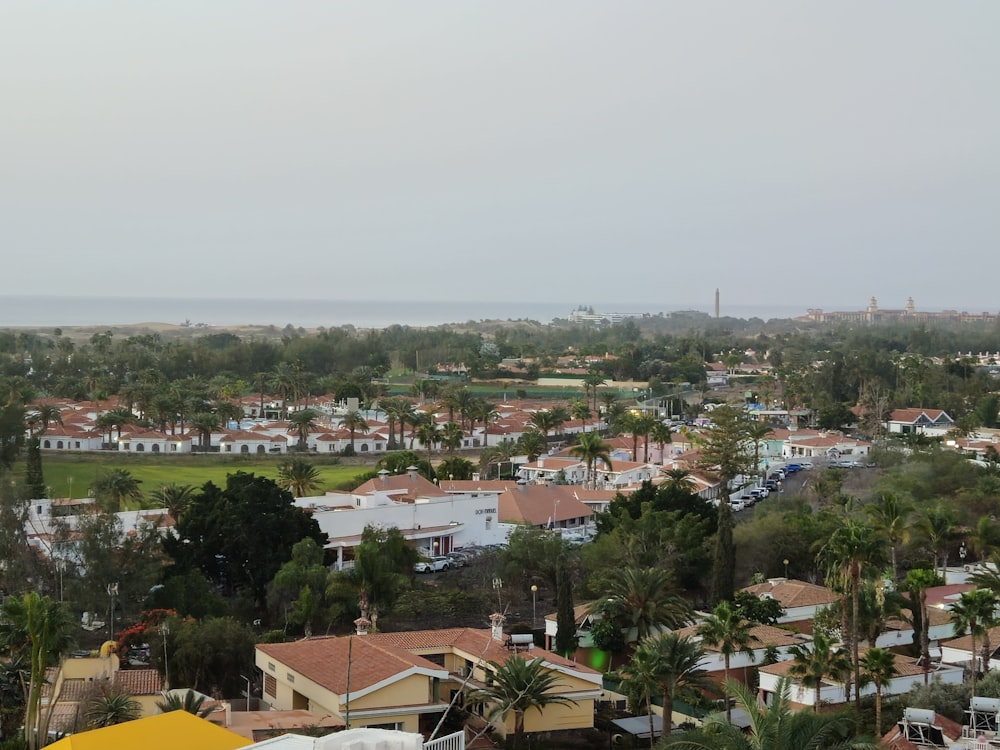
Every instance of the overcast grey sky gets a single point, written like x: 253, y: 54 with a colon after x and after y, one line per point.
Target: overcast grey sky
x: 815, y: 153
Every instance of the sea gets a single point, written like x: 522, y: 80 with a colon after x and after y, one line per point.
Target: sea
x: 57, y: 311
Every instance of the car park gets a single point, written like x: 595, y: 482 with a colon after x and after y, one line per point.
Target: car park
x: 432, y: 565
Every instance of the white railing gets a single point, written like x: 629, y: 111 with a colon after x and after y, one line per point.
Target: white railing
x: 448, y: 742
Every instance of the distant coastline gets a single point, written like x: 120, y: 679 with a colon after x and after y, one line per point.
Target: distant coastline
x: 52, y: 312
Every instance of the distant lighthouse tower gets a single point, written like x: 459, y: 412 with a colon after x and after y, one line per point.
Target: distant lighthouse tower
x: 716, y: 302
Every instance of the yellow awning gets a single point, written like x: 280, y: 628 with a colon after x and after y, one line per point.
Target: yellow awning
x: 176, y: 730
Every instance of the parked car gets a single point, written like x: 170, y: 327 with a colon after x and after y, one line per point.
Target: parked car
x: 432, y: 565
x: 771, y: 484
x: 792, y: 468
x: 759, y: 492
x: 736, y: 504
x: 806, y: 464
x: 457, y: 559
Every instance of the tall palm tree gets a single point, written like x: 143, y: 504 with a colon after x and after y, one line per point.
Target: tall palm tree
x: 354, y: 423
x: 115, y: 488
x: 580, y: 410
x: 451, y: 437
x: 892, y: 516
x: 519, y: 686
x: 110, y: 706
x: 662, y: 436
x: 673, y: 660
x: 642, y: 426
x: 304, y: 421
x: 43, y: 630
x: 937, y: 529
x: 532, y: 444
x: 205, y: 424
x: 975, y: 613
x: 299, y: 477
x: 429, y: 436
x: 590, y: 449
x: 813, y: 664
x: 878, y: 666
x: 638, y: 683
x: 852, y: 551
x: 726, y: 628
x: 917, y: 581
x: 644, y: 599
x: 776, y: 727
x: 544, y: 421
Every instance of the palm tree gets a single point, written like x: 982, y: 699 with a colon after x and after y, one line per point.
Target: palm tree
x: 814, y: 664
x: 917, y: 581
x: 191, y: 702
x: 591, y: 382
x: 43, y: 630
x: 642, y: 425
x: 878, y: 666
x: 115, y: 487
x: 891, y: 517
x: 429, y: 435
x: 673, y: 660
x: 532, y: 444
x: 354, y: 422
x: 205, y: 423
x: 638, y: 683
x: 730, y: 632
x: 519, y: 685
x: 853, y: 550
x: 543, y: 421
x: 580, y: 410
x: 109, y: 707
x: 118, y: 418
x: 937, y: 528
x: 589, y: 449
x: 304, y: 421
x: 975, y: 613
x: 662, y: 436
x: 643, y: 599
x: 775, y: 727
x: 451, y: 437
x: 175, y: 498
x: 299, y: 477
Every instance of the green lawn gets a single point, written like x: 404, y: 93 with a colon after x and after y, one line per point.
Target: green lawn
x: 68, y: 475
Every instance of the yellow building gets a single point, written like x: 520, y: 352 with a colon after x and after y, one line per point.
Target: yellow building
x: 406, y: 680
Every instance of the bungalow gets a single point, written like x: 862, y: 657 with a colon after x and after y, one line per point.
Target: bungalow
x: 799, y: 599
x: 406, y: 680
x: 907, y: 674
x: 763, y: 639
x: 250, y: 442
x: 544, y: 507
x: 825, y: 446
x: 150, y: 441
x: 930, y: 422
x: 71, y: 438
x: 959, y: 650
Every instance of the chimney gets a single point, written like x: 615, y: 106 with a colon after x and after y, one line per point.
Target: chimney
x: 411, y: 472
x: 384, y: 476
x: 521, y: 484
x: 361, y: 625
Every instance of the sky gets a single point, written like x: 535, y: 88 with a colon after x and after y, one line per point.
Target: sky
x: 812, y: 153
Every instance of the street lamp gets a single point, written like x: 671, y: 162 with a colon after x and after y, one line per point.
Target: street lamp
x: 112, y: 592
x: 786, y: 566
x: 534, y: 613
x: 498, y: 586
x: 164, y: 632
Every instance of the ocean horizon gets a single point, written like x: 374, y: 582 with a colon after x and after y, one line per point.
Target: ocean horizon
x: 54, y: 311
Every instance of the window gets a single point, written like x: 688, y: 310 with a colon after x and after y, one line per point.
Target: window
x: 77, y: 444
x: 59, y: 444
x: 395, y: 726
x: 290, y: 676
x: 47, y: 444
x: 270, y: 686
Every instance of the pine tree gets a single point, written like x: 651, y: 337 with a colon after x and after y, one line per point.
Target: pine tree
x: 565, y: 620
x: 724, y: 563
x: 33, y: 477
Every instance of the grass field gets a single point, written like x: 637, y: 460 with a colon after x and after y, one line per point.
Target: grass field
x: 71, y: 475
